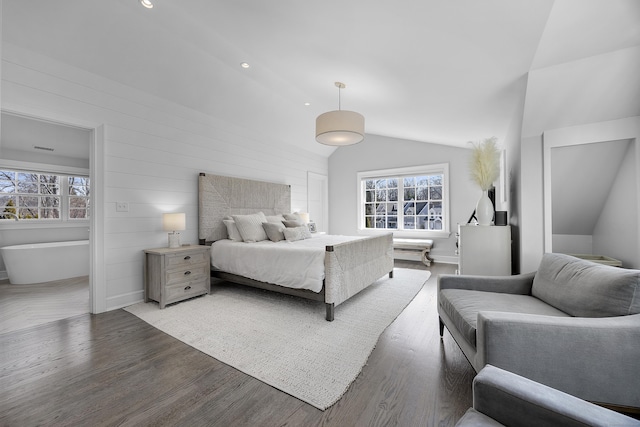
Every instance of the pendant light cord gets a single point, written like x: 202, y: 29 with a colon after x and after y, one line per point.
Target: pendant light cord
x: 340, y: 86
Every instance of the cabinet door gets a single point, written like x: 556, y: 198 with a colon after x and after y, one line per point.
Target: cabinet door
x: 485, y: 250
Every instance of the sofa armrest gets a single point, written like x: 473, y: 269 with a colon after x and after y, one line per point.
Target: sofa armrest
x: 513, y: 400
x: 518, y: 284
x: 596, y: 359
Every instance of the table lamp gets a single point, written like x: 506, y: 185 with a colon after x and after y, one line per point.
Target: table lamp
x: 173, y: 222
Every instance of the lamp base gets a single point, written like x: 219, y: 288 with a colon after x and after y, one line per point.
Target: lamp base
x: 174, y: 240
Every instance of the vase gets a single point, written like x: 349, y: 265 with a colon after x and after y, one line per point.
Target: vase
x: 484, y: 209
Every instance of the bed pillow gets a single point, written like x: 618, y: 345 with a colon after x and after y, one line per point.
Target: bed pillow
x: 232, y: 230
x: 292, y: 217
x: 250, y: 227
x: 275, y: 218
x: 274, y: 231
x: 296, y: 233
x: 292, y: 223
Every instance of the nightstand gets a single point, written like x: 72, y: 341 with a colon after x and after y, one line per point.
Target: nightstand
x: 172, y: 275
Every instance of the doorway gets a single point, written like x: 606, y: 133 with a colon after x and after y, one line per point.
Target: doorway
x: 318, y: 200
x: 65, y: 151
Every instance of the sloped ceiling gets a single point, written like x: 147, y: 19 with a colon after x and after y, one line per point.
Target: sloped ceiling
x: 582, y: 177
x: 426, y: 70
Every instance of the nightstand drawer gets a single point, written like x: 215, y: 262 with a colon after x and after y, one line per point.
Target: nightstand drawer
x: 184, y: 274
x: 185, y: 259
x: 186, y: 290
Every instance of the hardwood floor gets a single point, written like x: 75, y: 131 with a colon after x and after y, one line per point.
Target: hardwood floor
x: 114, y: 369
x: 24, y: 306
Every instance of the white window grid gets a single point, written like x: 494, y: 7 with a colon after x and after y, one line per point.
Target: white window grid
x: 411, y: 200
x: 40, y: 196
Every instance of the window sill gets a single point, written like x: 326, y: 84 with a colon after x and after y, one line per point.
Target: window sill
x: 24, y: 224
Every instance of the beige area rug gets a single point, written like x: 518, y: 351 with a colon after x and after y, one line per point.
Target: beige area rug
x: 285, y: 341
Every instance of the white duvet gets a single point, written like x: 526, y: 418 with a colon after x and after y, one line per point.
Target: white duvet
x: 298, y: 264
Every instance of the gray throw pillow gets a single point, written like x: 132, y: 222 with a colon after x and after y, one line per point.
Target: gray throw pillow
x: 292, y: 217
x: 274, y: 231
x: 292, y: 223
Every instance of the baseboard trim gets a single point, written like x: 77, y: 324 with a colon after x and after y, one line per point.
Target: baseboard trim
x: 124, y: 300
x: 444, y: 259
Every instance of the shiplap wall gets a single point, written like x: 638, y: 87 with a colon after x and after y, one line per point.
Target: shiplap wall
x: 154, y: 150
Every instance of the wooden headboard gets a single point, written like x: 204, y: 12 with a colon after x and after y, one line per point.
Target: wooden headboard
x: 221, y: 196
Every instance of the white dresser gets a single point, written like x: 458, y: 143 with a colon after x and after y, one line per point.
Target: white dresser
x: 484, y: 250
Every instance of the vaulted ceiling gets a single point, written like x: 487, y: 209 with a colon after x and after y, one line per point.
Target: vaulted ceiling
x: 427, y: 70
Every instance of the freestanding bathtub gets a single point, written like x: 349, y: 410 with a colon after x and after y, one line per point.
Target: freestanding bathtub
x: 44, y: 262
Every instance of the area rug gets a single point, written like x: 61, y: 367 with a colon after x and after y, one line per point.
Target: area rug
x: 285, y: 341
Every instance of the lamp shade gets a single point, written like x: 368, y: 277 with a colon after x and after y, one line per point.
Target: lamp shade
x: 173, y: 221
x: 304, y: 216
x: 340, y: 127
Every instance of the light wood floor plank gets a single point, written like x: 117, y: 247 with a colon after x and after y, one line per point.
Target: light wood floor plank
x: 24, y: 306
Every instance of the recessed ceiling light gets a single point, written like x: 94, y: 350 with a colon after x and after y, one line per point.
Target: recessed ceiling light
x: 244, y: 65
x: 146, y: 3
x: 306, y: 104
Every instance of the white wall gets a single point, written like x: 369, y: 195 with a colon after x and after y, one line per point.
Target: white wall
x: 511, y: 200
x: 618, y: 222
x: 380, y: 152
x: 573, y: 243
x: 531, y: 212
x: 582, y: 96
x: 154, y: 151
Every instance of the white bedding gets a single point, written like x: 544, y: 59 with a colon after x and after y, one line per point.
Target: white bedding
x: 298, y: 264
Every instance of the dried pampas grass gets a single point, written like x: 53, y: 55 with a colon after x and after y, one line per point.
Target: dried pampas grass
x: 485, y: 163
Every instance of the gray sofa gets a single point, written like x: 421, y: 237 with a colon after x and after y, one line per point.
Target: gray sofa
x: 573, y: 325
x: 502, y: 398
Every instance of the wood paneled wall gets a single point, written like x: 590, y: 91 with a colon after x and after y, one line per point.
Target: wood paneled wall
x: 154, y: 150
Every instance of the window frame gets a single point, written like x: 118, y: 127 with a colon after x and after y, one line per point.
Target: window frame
x: 41, y: 169
x: 437, y: 168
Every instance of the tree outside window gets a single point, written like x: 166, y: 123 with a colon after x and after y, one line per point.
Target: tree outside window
x: 43, y: 196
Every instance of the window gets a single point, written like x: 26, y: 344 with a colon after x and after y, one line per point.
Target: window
x: 411, y: 201
x: 78, y: 197
x: 43, y: 196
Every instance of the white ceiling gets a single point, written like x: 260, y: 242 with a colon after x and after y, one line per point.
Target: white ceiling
x: 26, y: 134
x: 427, y: 70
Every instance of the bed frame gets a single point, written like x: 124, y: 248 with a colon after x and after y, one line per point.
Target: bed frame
x: 349, y: 267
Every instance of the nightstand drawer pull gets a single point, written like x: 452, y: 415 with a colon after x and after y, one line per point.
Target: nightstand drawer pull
x: 187, y: 257
x: 187, y: 288
x: 186, y: 273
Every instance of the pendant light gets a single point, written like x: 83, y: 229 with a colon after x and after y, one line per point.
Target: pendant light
x: 340, y: 127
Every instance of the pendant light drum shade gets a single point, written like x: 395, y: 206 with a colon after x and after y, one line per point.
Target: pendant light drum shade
x: 340, y: 127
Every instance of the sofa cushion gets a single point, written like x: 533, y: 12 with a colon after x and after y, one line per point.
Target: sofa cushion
x: 585, y: 289
x: 462, y: 307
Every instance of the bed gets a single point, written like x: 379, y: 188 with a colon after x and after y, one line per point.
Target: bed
x: 349, y: 264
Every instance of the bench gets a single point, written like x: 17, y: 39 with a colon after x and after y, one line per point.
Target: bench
x: 413, y: 250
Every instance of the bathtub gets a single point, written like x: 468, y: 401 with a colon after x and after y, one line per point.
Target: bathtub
x: 44, y: 262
